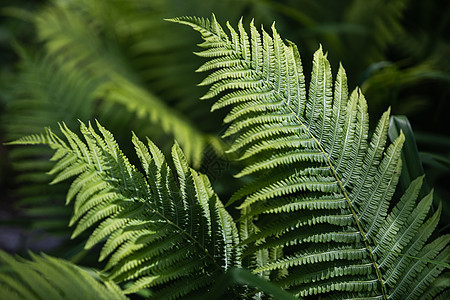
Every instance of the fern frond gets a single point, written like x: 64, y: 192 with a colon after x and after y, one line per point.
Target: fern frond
x: 45, y: 277
x: 123, y: 59
x: 321, y: 188
x: 148, y: 105
x: 159, y: 228
x: 43, y: 94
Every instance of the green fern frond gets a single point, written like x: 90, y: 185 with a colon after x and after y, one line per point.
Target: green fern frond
x: 169, y: 232
x: 45, y: 277
x: 149, y: 106
x: 310, y: 154
x: 43, y: 94
x: 115, y: 52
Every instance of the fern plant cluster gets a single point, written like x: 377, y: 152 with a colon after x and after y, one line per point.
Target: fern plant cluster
x: 91, y: 66
x: 318, y: 212
x: 120, y: 63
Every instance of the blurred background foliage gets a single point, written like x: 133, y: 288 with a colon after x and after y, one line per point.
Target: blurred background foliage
x: 118, y: 61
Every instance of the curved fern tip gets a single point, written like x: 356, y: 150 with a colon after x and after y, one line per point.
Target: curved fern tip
x: 274, y: 30
x: 341, y: 70
x: 176, y: 145
x: 178, y: 154
x: 401, y: 136
x: 388, y: 111
x: 62, y: 125
x: 97, y: 123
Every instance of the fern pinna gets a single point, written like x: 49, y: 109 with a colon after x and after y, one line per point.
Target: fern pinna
x: 158, y: 228
x: 316, y: 213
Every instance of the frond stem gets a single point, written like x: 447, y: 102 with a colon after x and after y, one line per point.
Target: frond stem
x: 344, y: 192
x: 358, y: 224
x: 188, y: 236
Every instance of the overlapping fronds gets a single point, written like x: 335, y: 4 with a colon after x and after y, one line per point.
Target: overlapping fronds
x: 321, y: 188
x: 46, y: 277
x: 119, y: 45
x: 84, y: 65
x: 164, y: 232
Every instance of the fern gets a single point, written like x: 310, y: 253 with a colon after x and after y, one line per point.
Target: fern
x: 321, y: 188
x: 46, y: 277
x: 318, y: 214
x: 85, y: 73
x: 43, y: 93
x: 155, y: 230
x: 120, y: 58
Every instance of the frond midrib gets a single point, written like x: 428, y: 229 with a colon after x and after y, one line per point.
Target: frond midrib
x: 248, y: 64
x: 187, y: 235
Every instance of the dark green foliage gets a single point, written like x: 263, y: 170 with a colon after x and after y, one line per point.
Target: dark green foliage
x: 94, y: 67
x: 320, y: 211
x: 46, y: 277
x: 124, y: 60
x: 43, y: 92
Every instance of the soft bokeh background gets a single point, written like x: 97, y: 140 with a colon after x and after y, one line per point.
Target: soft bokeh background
x: 119, y: 62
